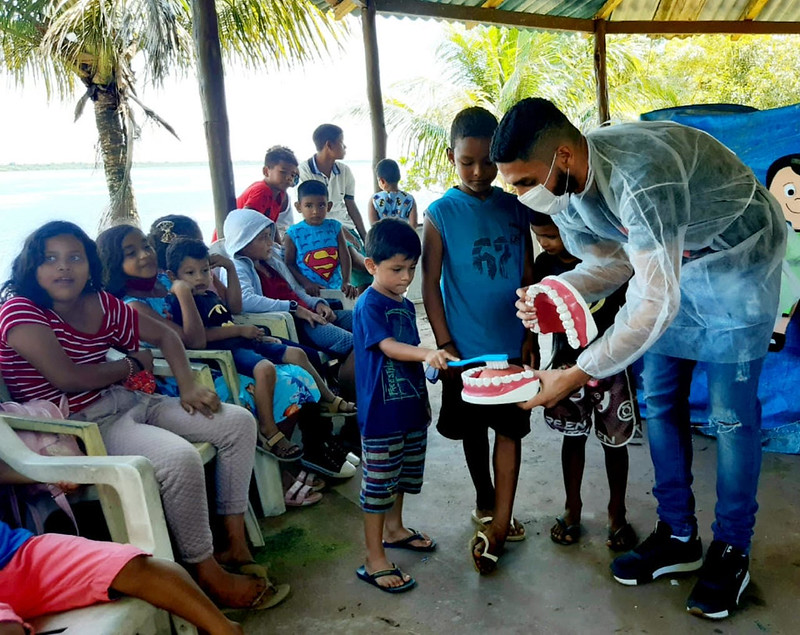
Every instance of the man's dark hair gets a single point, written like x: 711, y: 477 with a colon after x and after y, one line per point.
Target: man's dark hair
x: 326, y: 133
x: 391, y: 237
x: 472, y: 122
x: 23, y: 280
x: 276, y: 154
x: 532, y: 124
x: 388, y: 170
x: 311, y: 187
x: 182, y: 248
x: 537, y: 219
x: 166, y: 229
x: 789, y: 161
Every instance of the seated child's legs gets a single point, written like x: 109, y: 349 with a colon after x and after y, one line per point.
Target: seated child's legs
x: 329, y: 338
x: 54, y: 572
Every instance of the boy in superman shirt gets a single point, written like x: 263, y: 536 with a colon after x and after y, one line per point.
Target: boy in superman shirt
x: 316, y: 248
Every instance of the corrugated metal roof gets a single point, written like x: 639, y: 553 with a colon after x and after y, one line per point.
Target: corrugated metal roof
x: 621, y: 15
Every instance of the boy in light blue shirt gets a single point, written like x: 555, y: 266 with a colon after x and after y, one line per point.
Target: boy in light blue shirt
x: 477, y: 252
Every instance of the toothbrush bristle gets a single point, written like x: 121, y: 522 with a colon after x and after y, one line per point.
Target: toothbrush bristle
x: 498, y: 365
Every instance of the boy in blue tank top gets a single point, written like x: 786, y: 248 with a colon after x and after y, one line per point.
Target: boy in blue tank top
x: 393, y: 410
x: 477, y: 249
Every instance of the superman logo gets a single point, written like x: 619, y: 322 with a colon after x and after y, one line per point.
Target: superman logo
x: 323, y: 261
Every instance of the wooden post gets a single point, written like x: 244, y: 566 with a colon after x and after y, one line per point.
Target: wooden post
x: 374, y: 95
x: 211, y: 79
x: 600, y: 74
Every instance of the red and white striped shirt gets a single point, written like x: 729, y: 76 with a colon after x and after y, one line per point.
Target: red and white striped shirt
x: 120, y: 327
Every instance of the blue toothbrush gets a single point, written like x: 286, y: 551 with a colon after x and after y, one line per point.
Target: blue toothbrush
x: 492, y: 361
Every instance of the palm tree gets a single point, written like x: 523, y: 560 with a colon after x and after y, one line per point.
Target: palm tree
x: 94, y: 43
x: 494, y: 67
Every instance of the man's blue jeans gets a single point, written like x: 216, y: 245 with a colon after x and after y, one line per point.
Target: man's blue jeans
x: 735, y: 414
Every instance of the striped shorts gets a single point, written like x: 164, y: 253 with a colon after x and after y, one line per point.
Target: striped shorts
x: 390, y: 465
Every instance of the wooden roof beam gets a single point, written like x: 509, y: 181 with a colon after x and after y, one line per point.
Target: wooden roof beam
x: 605, y: 11
x: 691, y: 27
x: 753, y: 9
x: 463, y: 13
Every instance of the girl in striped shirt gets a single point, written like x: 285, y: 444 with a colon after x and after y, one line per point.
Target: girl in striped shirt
x: 56, y: 328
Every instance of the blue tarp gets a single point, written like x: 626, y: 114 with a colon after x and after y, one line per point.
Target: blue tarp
x: 758, y: 137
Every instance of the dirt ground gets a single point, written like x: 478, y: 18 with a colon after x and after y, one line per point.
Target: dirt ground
x: 539, y: 587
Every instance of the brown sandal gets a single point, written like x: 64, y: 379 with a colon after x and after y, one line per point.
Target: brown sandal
x: 292, y: 453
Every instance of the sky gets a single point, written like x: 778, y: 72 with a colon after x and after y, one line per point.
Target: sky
x: 264, y: 108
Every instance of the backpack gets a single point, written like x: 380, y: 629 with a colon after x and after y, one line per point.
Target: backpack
x: 38, y: 497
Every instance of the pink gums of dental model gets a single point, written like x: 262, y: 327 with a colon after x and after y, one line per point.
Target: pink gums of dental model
x: 559, y: 308
x: 498, y: 384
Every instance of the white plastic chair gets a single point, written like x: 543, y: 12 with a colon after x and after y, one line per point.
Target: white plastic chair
x: 133, y: 482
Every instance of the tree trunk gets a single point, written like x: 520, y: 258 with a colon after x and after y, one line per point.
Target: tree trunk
x: 211, y: 78
x: 374, y: 95
x: 113, y: 139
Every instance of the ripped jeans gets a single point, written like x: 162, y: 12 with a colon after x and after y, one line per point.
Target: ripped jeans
x: 735, y: 412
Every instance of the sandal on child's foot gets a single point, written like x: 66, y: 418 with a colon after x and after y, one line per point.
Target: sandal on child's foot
x: 300, y: 495
x: 564, y: 534
x: 312, y: 480
x: 284, y: 452
x: 623, y: 539
x: 516, y: 530
x: 338, y: 407
x: 483, y: 560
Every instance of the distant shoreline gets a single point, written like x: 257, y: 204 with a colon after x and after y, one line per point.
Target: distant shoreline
x: 26, y: 167
x: 20, y: 167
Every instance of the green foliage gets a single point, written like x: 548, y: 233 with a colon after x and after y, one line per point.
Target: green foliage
x: 495, y: 67
x: 754, y: 70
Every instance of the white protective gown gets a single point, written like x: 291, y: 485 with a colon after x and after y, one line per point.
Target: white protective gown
x: 702, y: 238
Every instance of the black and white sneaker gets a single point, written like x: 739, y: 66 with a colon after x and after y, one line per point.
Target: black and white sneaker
x: 658, y: 555
x: 722, y: 580
x: 321, y: 458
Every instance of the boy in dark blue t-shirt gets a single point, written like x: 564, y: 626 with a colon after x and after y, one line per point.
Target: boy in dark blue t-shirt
x: 393, y: 410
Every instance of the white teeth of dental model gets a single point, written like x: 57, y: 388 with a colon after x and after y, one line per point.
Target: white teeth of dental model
x: 528, y: 374
x: 496, y: 381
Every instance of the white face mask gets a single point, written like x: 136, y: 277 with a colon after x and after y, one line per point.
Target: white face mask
x: 540, y: 199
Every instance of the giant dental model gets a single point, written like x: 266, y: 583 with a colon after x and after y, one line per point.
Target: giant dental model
x: 559, y: 308
x: 498, y: 382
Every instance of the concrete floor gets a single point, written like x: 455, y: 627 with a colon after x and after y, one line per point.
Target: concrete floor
x: 539, y: 587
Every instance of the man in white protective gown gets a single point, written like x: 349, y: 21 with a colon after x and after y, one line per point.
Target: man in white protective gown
x: 678, y: 215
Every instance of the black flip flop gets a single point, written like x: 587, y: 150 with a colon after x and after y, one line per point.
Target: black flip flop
x: 405, y: 543
x: 372, y: 578
x: 624, y: 539
x: 567, y: 531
